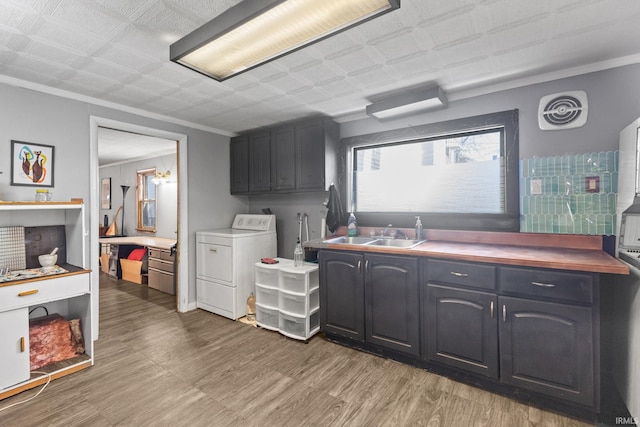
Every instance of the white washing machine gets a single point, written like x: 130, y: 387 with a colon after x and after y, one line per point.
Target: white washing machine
x: 225, y: 262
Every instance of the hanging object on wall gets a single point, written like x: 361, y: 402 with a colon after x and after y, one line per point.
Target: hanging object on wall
x: 564, y: 110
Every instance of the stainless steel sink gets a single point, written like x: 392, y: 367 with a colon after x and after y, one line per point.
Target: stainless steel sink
x: 397, y: 243
x: 350, y: 240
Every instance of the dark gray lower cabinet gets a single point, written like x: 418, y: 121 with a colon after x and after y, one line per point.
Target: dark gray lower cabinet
x: 547, y: 347
x: 342, y: 294
x: 461, y: 328
x: 525, y: 328
x: 392, y: 303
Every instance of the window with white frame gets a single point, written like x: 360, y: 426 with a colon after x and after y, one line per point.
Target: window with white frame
x: 146, y: 200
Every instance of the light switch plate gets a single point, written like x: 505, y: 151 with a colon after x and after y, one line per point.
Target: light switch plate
x: 536, y: 186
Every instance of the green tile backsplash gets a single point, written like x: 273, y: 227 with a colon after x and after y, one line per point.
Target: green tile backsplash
x: 565, y: 204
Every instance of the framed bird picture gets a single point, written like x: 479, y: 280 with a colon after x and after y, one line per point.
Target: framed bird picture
x: 31, y: 164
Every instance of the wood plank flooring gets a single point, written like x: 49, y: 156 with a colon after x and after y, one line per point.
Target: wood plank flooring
x: 156, y: 367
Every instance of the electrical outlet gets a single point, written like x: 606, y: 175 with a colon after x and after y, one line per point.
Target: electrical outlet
x: 536, y: 186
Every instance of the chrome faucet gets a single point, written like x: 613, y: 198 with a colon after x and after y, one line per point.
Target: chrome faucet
x: 385, y: 230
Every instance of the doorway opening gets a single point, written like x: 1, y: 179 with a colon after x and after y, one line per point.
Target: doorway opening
x: 123, y: 147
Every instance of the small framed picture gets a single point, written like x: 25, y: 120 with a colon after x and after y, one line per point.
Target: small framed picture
x: 31, y: 164
x: 105, y: 193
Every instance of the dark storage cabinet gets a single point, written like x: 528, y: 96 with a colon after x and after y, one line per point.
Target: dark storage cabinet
x: 370, y: 298
x: 342, y: 294
x: 239, y: 150
x: 297, y: 156
x: 459, y: 306
x: 391, y: 303
x: 547, y: 347
x: 259, y: 162
x: 461, y: 329
x: 517, y: 328
x: 283, y: 159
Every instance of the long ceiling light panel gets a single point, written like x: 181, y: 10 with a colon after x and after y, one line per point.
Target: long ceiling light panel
x: 257, y: 31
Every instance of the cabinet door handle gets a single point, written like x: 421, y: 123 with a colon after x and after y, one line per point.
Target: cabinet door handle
x: 22, y: 345
x: 504, y: 313
x: 491, y: 309
x: 459, y: 274
x: 213, y: 251
x: 366, y: 265
x: 359, y: 266
x: 25, y: 293
x: 543, y: 285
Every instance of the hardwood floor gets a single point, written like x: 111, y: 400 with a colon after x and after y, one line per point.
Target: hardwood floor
x: 156, y: 367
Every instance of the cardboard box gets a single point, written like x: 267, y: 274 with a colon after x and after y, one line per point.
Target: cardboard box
x: 131, y: 271
x: 104, y: 262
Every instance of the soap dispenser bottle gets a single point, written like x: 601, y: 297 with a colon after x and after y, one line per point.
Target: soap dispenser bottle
x: 419, y: 230
x: 352, y: 226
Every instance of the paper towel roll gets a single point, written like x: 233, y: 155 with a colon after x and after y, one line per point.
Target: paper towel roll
x: 323, y: 228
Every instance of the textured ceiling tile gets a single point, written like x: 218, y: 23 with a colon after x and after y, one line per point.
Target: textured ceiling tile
x: 123, y: 57
x: 150, y: 84
x: 174, y: 73
x: 40, y: 48
x: 129, y: 10
x: 85, y: 43
x: 87, y: 80
x: 161, y: 19
x: 76, y: 16
x: 108, y: 70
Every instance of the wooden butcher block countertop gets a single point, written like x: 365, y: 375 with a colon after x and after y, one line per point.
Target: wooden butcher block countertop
x: 556, y: 251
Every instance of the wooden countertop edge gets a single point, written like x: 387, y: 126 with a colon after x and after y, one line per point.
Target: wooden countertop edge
x: 75, y: 270
x: 588, y: 260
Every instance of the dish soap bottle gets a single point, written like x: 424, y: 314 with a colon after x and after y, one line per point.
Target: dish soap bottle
x: 419, y: 230
x: 298, y: 255
x: 352, y: 226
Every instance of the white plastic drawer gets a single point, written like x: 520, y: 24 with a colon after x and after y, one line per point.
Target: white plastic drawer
x: 293, y: 326
x: 42, y: 291
x: 293, y: 303
x: 267, y: 317
x: 266, y: 296
x: 267, y: 274
x: 293, y: 281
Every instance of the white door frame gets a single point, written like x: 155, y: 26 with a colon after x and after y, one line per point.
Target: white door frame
x: 94, y: 206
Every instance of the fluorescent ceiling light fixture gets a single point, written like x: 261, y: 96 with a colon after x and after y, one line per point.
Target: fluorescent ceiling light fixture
x: 257, y: 31
x: 407, y: 103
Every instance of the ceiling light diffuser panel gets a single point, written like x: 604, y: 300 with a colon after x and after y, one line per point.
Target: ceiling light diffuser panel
x: 257, y: 31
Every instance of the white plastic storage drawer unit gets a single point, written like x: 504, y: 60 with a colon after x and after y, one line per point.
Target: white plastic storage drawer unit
x: 293, y: 293
x: 299, y: 327
x: 267, y: 317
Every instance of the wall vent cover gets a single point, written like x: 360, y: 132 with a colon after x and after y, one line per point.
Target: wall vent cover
x: 565, y: 110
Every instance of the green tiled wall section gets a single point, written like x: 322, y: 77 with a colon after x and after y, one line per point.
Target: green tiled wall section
x: 566, y: 205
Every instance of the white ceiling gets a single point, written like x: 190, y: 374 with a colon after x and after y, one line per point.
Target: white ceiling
x: 115, y: 146
x: 116, y: 53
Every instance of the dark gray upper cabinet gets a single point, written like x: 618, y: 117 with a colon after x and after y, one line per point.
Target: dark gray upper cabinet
x: 259, y: 162
x: 239, y: 165
x: 342, y: 294
x: 293, y: 157
x: 310, y: 156
x: 283, y: 159
x: 391, y: 303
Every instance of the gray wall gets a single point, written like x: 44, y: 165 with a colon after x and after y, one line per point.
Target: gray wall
x: 166, y: 200
x: 614, y: 102
x: 36, y: 117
